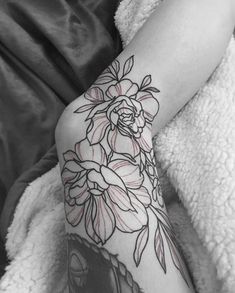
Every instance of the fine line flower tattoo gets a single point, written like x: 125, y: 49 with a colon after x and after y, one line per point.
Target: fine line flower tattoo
x: 110, y: 178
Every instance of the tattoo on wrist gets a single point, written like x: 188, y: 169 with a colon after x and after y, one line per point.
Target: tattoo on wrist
x: 110, y: 179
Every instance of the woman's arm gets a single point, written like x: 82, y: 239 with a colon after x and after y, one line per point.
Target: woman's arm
x: 113, y: 202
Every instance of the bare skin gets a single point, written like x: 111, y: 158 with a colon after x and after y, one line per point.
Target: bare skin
x: 113, y: 202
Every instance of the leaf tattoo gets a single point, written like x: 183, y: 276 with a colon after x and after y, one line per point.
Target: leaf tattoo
x: 159, y: 248
x: 146, y: 81
x: 141, y: 242
x: 128, y: 66
x: 105, y: 175
x: 116, y: 68
x: 175, y: 255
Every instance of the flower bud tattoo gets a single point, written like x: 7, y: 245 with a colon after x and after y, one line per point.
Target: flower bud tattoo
x: 110, y: 179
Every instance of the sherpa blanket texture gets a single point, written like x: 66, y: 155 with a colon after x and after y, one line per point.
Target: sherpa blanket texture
x: 196, y: 151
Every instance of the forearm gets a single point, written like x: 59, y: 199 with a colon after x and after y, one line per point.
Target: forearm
x: 112, y: 197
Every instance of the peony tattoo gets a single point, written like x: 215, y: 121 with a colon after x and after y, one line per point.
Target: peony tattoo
x: 110, y: 179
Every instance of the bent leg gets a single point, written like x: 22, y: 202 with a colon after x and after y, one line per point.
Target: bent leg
x: 115, y: 214
x: 113, y: 202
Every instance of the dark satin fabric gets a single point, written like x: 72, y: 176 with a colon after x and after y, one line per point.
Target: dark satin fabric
x: 50, y: 52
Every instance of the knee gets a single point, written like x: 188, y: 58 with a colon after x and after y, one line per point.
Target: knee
x: 68, y: 126
x: 63, y: 125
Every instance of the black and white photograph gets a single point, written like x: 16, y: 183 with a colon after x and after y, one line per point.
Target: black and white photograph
x: 117, y: 146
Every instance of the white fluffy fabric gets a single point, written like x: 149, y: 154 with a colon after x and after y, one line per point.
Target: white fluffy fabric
x: 36, y: 239
x: 196, y: 150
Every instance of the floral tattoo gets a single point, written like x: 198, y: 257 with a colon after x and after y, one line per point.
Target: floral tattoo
x: 110, y: 179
